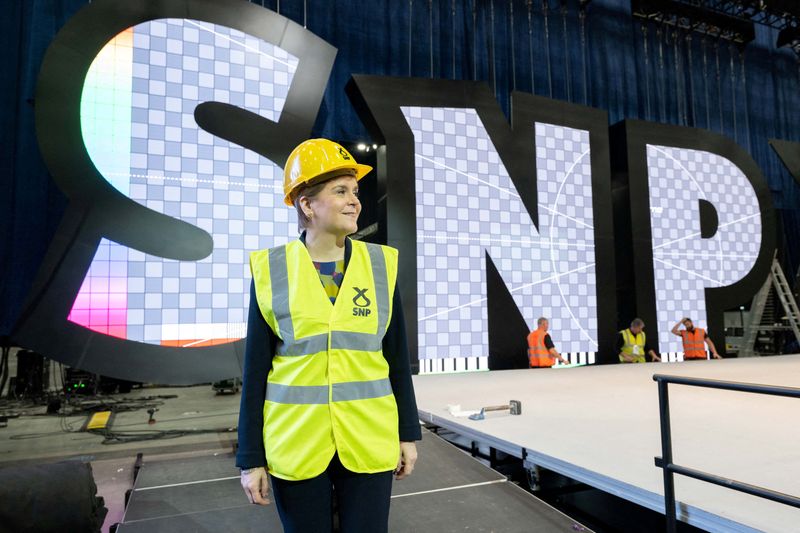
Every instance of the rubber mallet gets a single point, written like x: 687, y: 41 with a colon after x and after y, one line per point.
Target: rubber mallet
x: 514, y: 407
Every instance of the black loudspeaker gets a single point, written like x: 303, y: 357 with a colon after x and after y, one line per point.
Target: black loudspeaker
x: 30, y: 375
x: 52, y: 497
x: 53, y: 406
x: 80, y: 382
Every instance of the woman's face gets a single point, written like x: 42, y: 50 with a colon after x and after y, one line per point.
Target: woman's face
x: 336, y: 208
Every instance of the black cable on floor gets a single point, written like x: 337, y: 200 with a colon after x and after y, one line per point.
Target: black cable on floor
x: 122, y: 437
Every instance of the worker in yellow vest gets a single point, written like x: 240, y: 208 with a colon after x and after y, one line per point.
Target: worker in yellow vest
x: 632, y: 344
x: 542, y: 352
x: 327, y: 398
x: 694, y: 341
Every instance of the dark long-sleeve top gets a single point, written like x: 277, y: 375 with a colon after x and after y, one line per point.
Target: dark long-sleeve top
x: 259, y: 351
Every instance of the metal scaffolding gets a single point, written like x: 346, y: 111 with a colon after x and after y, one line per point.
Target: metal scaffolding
x: 731, y: 20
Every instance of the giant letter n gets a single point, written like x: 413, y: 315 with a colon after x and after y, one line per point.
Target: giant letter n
x: 496, y: 226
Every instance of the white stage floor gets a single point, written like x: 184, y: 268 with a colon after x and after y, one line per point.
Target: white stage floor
x: 600, y: 425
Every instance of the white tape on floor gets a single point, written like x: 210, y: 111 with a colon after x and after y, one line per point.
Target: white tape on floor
x: 451, y: 488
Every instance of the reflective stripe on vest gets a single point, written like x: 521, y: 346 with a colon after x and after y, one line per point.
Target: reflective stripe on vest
x: 344, y: 340
x: 538, y: 354
x: 318, y: 394
x: 328, y: 390
x: 630, y: 341
x: 694, y: 346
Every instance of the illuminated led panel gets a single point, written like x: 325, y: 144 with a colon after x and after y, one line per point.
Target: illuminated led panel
x: 101, y: 303
x: 466, y: 205
x: 684, y: 263
x: 137, y: 118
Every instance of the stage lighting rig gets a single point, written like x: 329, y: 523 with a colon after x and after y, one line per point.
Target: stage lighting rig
x: 727, y: 19
x: 773, y: 13
x: 790, y: 37
x: 691, y: 16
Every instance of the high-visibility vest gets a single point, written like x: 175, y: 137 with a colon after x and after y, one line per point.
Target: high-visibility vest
x: 328, y: 390
x: 538, y: 354
x: 694, y: 346
x: 634, y: 345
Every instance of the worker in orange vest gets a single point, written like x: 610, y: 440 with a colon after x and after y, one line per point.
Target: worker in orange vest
x: 541, y: 350
x: 694, y: 340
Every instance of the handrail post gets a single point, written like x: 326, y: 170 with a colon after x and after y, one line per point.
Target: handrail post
x: 670, y: 469
x: 666, y: 456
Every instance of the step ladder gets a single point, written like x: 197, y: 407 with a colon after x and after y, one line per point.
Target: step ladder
x: 787, y: 298
x: 764, y: 305
x: 797, y: 284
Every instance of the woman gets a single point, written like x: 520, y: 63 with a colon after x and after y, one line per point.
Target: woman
x: 327, y: 397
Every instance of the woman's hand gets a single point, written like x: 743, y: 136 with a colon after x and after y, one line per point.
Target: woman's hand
x: 405, y: 464
x: 256, y: 485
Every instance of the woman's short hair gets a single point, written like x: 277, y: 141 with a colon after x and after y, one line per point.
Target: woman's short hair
x: 309, y: 191
x: 313, y: 188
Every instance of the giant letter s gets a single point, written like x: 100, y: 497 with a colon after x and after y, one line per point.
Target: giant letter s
x: 161, y: 211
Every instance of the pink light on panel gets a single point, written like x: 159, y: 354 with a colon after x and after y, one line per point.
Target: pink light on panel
x: 117, y: 317
x: 118, y: 331
x: 79, y: 316
x: 118, y: 300
x: 102, y: 302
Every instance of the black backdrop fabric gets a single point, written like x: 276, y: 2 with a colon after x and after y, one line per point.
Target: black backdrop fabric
x: 600, y: 56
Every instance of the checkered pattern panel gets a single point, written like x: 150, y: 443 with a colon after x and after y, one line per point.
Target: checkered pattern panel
x: 467, y: 206
x: 185, y: 172
x: 685, y: 264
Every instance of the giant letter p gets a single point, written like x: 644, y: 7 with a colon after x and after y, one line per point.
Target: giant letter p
x: 702, y: 227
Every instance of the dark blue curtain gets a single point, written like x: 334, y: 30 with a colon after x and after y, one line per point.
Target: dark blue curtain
x: 601, y: 57
x: 31, y: 205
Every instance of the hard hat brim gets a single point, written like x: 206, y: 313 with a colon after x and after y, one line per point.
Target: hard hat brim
x: 361, y: 171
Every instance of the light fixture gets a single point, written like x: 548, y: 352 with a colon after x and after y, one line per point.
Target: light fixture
x: 374, y: 146
x: 361, y: 146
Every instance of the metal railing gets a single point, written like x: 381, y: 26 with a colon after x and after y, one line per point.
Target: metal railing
x: 670, y: 468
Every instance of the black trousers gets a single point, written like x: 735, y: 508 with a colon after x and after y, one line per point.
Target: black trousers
x: 362, y: 501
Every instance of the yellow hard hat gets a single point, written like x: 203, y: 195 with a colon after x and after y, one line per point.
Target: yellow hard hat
x: 314, y: 158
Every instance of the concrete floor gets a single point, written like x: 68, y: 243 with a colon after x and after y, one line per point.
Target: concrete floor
x: 37, y: 437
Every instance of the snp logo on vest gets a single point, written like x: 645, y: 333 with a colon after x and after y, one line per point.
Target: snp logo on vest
x: 362, y: 302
